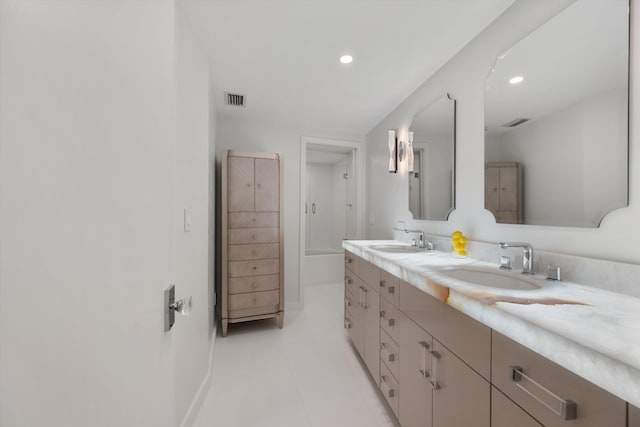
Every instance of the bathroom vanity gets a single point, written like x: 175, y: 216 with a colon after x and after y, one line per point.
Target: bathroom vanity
x: 449, y: 352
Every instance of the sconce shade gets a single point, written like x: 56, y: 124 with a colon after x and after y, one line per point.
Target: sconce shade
x: 393, y: 151
x: 410, y: 152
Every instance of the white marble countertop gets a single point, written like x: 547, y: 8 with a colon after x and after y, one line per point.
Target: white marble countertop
x: 592, y: 332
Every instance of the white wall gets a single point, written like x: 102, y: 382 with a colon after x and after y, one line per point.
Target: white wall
x: 192, y: 256
x: 92, y: 179
x: 235, y: 133
x: 464, y: 77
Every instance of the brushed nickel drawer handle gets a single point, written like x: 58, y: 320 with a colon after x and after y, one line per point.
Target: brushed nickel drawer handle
x: 386, y: 354
x: 386, y: 389
x: 434, y: 365
x: 347, y: 323
x: 424, y: 346
x: 568, y: 408
x: 347, y: 279
x: 349, y: 260
x: 347, y: 301
x: 391, y: 289
x: 390, y: 322
x: 382, y: 283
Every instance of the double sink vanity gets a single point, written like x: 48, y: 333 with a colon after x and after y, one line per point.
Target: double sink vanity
x: 460, y: 342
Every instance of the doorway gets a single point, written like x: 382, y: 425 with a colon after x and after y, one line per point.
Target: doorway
x: 331, y: 180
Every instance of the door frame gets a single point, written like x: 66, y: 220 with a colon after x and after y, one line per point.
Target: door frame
x: 359, y: 173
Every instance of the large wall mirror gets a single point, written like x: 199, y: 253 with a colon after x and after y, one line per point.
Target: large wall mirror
x: 432, y: 182
x: 556, y: 120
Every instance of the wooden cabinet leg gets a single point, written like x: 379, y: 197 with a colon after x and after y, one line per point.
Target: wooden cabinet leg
x: 281, y: 319
x: 225, y: 324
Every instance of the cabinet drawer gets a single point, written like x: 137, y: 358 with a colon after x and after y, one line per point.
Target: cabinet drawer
x: 253, y: 235
x: 390, y: 287
x: 541, y: 379
x: 241, y: 285
x: 389, y: 388
x: 368, y: 272
x: 350, y: 283
x: 258, y: 251
x: 389, y: 319
x: 253, y: 300
x: 389, y: 353
x: 254, y: 268
x: 262, y: 312
x: 253, y: 219
x: 466, y: 337
x: 505, y: 413
x: 634, y: 416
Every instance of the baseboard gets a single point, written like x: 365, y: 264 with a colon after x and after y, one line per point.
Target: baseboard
x: 196, y: 405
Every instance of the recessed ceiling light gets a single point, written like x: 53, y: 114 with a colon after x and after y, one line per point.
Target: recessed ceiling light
x: 515, y: 80
x: 346, y: 59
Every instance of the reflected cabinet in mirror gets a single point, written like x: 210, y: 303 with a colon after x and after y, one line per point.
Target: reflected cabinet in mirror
x: 556, y: 120
x: 432, y: 182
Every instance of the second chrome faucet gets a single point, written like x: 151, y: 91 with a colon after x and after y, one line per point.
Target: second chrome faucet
x: 527, y: 259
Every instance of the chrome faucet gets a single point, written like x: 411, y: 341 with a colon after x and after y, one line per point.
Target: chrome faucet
x: 421, y: 243
x: 527, y: 259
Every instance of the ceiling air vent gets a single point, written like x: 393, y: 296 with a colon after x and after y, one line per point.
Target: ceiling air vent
x: 514, y: 123
x: 234, y: 99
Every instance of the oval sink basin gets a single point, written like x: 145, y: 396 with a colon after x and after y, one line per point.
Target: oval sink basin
x: 397, y: 248
x: 492, y: 279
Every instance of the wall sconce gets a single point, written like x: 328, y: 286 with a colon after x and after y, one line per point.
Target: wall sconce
x: 392, y: 140
x: 182, y: 306
x: 410, y: 152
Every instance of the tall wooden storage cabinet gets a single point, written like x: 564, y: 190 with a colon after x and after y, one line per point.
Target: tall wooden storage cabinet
x: 252, y: 283
x: 503, y: 191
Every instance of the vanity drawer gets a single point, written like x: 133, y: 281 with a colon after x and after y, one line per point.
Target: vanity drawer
x: 253, y: 300
x: 253, y: 235
x: 253, y: 219
x: 389, y: 353
x: 469, y: 339
x: 541, y: 379
x: 389, y: 317
x: 389, y: 388
x: 241, y: 285
x: 258, y: 251
x: 390, y: 287
x: 254, y: 268
x: 368, y: 272
x: 350, y: 282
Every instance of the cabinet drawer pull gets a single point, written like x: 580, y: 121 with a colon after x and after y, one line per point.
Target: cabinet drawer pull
x: 349, y: 260
x: 391, y: 289
x: 347, y: 323
x: 347, y: 301
x: 386, y: 355
x: 434, y: 364
x: 363, y: 297
x: 385, y: 388
x: 382, y: 283
x: 347, y: 279
x: 390, y: 322
x: 424, y: 346
x: 568, y: 408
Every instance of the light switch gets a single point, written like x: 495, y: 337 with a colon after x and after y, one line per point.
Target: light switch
x: 187, y: 220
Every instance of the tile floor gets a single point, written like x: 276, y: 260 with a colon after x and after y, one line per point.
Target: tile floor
x: 305, y: 375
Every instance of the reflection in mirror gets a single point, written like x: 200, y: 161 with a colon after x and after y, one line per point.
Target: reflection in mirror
x: 432, y: 182
x: 556, y: 120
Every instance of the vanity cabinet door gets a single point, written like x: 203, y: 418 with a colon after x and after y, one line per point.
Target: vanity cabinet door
x: 634, y: 416
x: 415, y: 403
x: 505, y: 413
x: 371, y: 310
x: 461, y: 397
x: 354, y: 323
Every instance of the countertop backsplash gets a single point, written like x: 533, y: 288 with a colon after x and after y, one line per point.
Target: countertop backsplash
x: 609, y: 275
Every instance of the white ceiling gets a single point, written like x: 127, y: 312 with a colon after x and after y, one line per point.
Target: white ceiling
x: 283, y: 55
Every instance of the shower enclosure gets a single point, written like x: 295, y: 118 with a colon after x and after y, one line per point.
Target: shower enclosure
x: 329, y: 210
